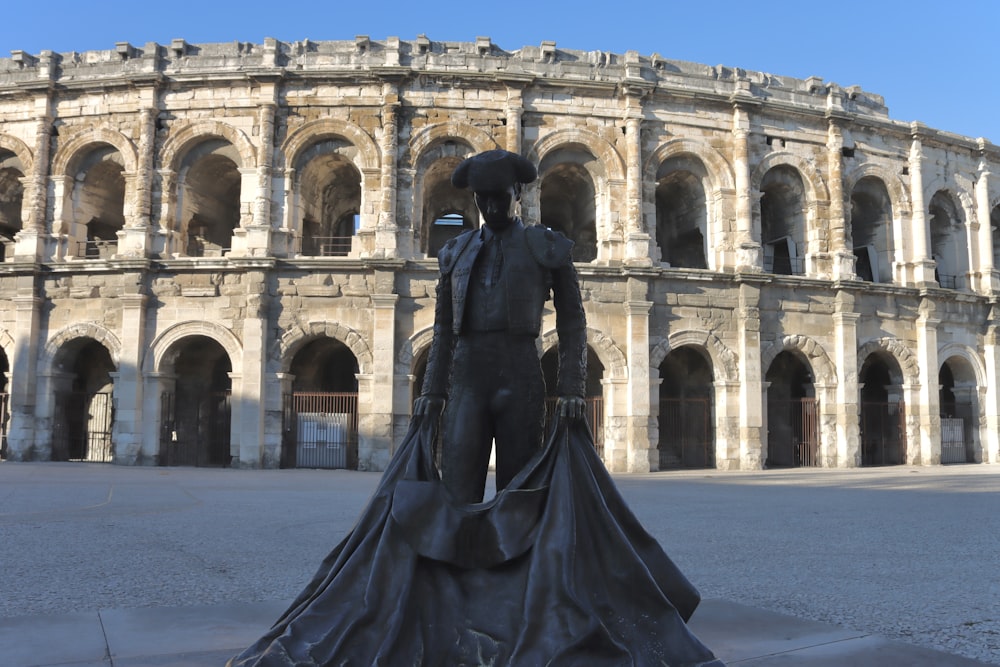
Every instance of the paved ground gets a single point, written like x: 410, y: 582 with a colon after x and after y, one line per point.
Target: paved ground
x: 908, y: 554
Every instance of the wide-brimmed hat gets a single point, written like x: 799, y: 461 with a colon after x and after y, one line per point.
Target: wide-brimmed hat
x: 493, y: 171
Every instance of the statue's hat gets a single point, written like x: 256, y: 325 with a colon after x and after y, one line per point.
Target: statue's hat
x: 493, y: 171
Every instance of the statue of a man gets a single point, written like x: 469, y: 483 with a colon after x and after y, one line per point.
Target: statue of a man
x: 484, y: 360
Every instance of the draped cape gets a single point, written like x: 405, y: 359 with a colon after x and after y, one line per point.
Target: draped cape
x: 554, y: 570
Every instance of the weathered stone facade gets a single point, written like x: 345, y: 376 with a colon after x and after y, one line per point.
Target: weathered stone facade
x: 774, y: 271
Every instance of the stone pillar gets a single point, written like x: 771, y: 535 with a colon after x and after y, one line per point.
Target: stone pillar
x: 727, y: 424
x: 748, y: 256
x: 751, y: 398
x: 639, y: 245
x: 153, y: 446
x: 643, y: 455
x: 928, y: 450
x: 253, y: 237
x: 920, y: 263
x: 845, y: 451
x: 388, y: 241
x: 616, y: 455
x: 988, y: 279
x: 169, y: 241
x: 514, y: 110
x: 248, y: 393
x: 991, y: 399
x: 29, y: 243
x: 378, y: 421
x: 21, y: 434
x: 839, y: 243
x: 134, y: 237
x: 127, y: 436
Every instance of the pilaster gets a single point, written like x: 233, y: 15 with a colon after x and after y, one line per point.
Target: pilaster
x: 920, y: 263
x: 127, y: 436
x: 991, y: 398
x: 751, y: 389
x: 748, y: 257
x: 643, y: 454
x: 845, y: 450
x: 248, y: 393
x: 839, y: 242
x: 30, y: 241
x: 928, y: 450
x: 24, y: 389
x: 378, y: 423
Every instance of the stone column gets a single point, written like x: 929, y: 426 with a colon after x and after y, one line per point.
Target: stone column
x: 839, y: 243
x: 248, y: 393
x: 988, y: 278
x: 928, y: 450
x: 387, y: 237
x: 168, y: 241
x: 845, y: 452
x: 643, y: 455
x: 153, y: 446
x: 920, y: 262
x: 378, y: 421
x: 23, y: 383
x: 253, y: 237
x: 134, y: 237
x: 748, y: 248
x: 29, y: 244
x: 639, y: 245
x: 751, y: 398
x: 515, y: 107
x: 727, y: 424
x: 991, y: 399
x: 127, y: 436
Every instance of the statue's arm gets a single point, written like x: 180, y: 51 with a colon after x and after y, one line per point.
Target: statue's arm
x: 571, y: 327
x: 435, y: 387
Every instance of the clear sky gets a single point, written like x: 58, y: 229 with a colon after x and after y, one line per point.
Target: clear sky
x: 937, y: 62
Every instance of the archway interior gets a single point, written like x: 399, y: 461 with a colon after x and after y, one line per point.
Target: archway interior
x: 995, y: 235
x: 959, y: 409
x: 686, y: 410
x: 568, y: 199
x: 883, y: 423
x: 792, y: 427
x: 325, y: 365
x: 782, y: 221
x: 682, y: 212
x: 330, y: 196
x: 201, y: 410
x: 209, y: 206
x: 948, y: 241
x: 4, y: 404
x: 593, y: 389
x: 871, y: 230
x: 83, y: 418
x: 11, y: 199
x: 445, y: 211
x: 99, y: 200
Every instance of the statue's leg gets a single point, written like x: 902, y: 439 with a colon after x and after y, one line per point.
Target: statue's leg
x: 520, y: 412
x: 466, y: 428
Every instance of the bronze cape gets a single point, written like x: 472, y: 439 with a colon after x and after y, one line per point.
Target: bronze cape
x: 555, y: 570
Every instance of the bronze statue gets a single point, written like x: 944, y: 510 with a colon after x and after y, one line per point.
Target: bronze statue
x: 555, y: 570
x: 493, y: 286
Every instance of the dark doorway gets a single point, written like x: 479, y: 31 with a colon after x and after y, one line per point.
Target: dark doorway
x: 84, y: 411
x: 687, y: 434
x: 792, y: 425
x: 594, y: 392
x: 883, y: 414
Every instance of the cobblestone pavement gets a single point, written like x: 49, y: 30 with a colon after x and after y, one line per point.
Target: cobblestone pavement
x: 907, y: 553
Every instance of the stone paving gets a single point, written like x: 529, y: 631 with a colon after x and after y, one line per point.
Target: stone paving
x: 910, y: 554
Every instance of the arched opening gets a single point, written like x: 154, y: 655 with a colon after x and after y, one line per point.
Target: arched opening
x: 329, y: 187
x: 568, y: 199
x: 783, y: 221
x: 883, y: 413
x: 446, y: 211
x: 195, y: 418
x: 4, y: 404
x: 995, y: 235
x: 686, y: 420
x: 11, y: 201
x: 792, y: 424
x: 98, y: 204
x: 209, y: 198
x: 871, y: 230
x: 959, y: 405
x: 682, y: 213
x: 949, y: 245
x: 321, y: 414
x: 594, y: 391
x: 83, y: 416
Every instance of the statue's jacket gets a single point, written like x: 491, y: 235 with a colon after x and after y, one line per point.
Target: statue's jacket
x: 537, y: 263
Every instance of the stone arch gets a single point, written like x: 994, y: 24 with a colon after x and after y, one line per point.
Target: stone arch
x: 615, y: 363
x: 101, y: 334
x: 725, y: 363
x: 814, y: 183
x: 419, y: 341
x: 19, y: 149
x: 603, y: 150
x: 193, y: 133
x: 369, y: 155
x: 820, y: 363
x: 294, y: 339
x: 895, y: 187
x: 907, y: 360
x: 952, y: 350
x: 70, y: 152
x: 424, y: 139
x: 966, y: 201
x: 154, y: 358
x: 720, y: 172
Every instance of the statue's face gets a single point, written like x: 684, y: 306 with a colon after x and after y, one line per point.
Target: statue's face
x: 497, y: 206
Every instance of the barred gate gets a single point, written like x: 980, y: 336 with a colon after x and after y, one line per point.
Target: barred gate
x: 320, y: 430
x: 957, y: 435
x: 686, y: 434
x: 81, y: 427
x: 200, y: 438
x: 883, y: 433
x: 793, y: 432
x: 4, y: 421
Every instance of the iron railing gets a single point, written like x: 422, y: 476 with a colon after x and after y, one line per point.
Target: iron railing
x: 331, y: 246
x: 195, y: 430
x: 686, y: 433
x: 321, y: 430
x: 4, y: 421
x: 82, y: 427
x: 883, y: 433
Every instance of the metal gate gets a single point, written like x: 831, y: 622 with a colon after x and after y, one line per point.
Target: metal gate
x: 195, y: 433
x: 883, y: 433
x: 4, y: 421
x: 320, y: 430
x: 81, y: 427
x: 593, y: 413
x: 957, y: 431
x: 686, y: 437
x: 793, y: 432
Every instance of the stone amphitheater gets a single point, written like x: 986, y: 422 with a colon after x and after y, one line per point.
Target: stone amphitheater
x: 224, y: 254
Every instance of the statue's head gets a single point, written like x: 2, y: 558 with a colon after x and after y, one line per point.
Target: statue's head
x: 495, y: 177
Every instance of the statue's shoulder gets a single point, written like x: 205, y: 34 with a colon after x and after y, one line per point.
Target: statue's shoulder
x: 449, y: 253
x: 550, y: 248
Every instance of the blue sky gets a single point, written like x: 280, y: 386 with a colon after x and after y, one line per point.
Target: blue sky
x: 936, y: 62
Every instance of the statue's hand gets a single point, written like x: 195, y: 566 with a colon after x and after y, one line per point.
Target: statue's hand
x: 430, y: 406
x: 571, y: 407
